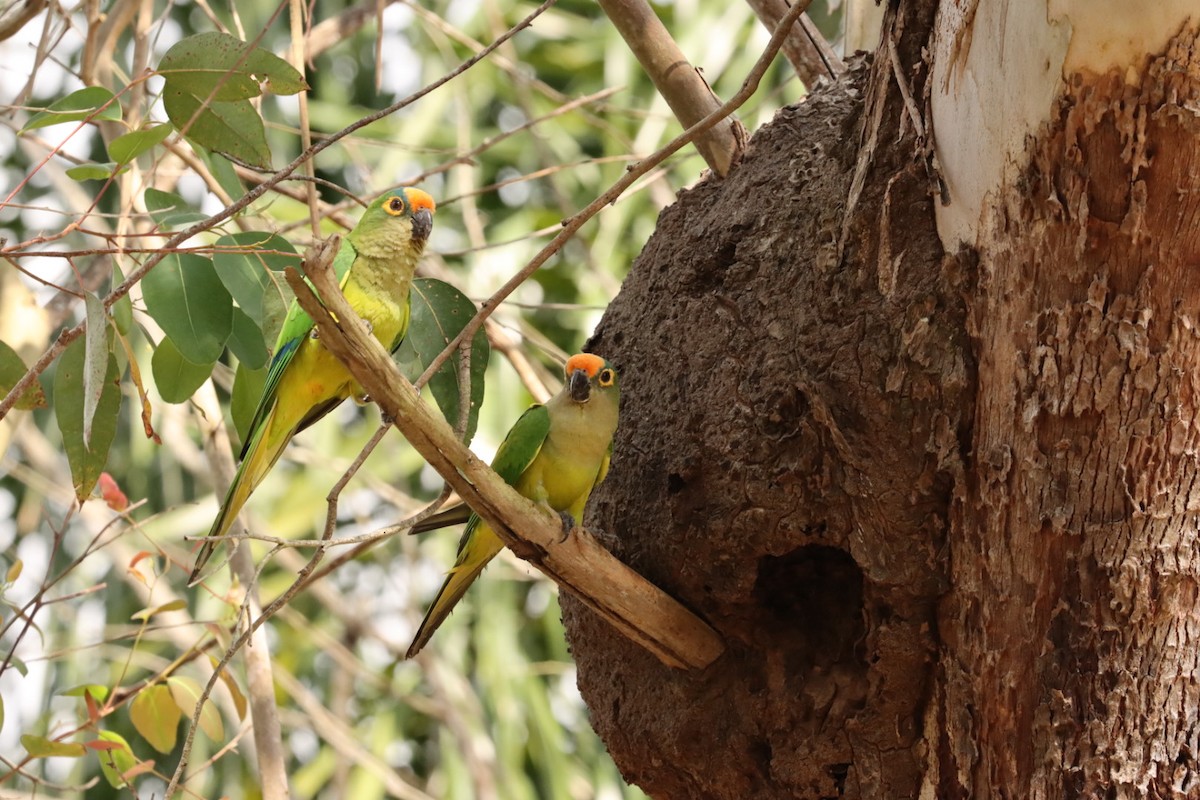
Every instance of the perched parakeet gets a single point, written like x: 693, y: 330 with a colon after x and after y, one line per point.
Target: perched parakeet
x: 374, y: 265
x: 555, y: 455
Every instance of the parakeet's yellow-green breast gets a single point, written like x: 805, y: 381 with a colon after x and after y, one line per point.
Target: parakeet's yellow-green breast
x: 555, y: 455
x: 375, y: 265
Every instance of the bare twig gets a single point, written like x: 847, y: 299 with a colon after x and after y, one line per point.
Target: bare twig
x: 260, y: 690
x: 680, y: 84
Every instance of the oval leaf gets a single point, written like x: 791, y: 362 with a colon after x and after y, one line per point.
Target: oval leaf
x: 41, y: 747
x: 95, y: 362
x: 14, y: 571
x: 169, y: 209
x: 439, y: 312
x: 156, y: 717
x: 247, y: 388
x: 177, y: 378
x: 186, y: 691
x: 239, y: 699
x: 86, y: 460
x: 93, y: 172
x: 122, y: 310
x: 116, y: 758
x: 96, y: 690
x: 78, y: 105
x: 147, y: 613
x: 186, y: 298
x: 128, y: 146
x: 12, y: 369
x: 246, y: 342
x: 221, y: 67
x: 232, y: 128
x: 247, y: 264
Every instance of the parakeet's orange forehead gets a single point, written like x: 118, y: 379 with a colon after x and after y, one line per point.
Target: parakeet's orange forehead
x: 585, y: 361
x: 419, y: 200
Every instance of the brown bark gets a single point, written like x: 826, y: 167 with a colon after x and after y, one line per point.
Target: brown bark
x: 940, y: 507
x: 1071, y: 630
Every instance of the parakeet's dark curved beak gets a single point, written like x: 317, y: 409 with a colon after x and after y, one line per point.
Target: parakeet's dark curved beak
x: 422, y: 224
x: 581, y: 390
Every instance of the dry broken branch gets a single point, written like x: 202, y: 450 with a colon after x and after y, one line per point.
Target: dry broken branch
x: 576, y: 562
x: 680, y: 84
x: 808, y: 51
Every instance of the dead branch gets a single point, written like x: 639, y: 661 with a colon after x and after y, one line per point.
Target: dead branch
x: 576, y: 562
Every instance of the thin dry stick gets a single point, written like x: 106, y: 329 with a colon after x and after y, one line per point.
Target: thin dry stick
x: 635, y: 171
x: 268, y: 734
x: 69, y: 335
x: 680, y: 84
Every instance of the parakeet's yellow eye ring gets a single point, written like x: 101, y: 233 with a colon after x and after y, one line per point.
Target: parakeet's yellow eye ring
x: 606, y: 378
x: 395, y: 206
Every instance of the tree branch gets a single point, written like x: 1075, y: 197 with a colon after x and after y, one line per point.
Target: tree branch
x: 680, y: 84
x: 807, y: 50
x: 576, y: 562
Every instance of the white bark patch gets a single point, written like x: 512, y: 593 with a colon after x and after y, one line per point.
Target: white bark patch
x: 999, y: 66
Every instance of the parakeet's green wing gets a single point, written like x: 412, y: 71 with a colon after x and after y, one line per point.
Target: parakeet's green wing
x: 296, y: 326
x: 522, y: 444
x: 520, y: 448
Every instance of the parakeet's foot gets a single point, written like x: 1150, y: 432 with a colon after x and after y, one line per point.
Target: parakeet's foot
x: 568, y: 523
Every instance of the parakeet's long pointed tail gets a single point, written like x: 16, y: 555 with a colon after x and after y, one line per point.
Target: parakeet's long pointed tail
x: 479, y: 547
x: 455, y: 515
x: 261, y: 455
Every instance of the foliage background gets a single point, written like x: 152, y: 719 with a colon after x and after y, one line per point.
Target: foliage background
x: 490, y: 709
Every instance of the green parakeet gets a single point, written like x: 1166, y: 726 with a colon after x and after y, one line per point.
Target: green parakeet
x: 375, y: 265
x: 554, y: 455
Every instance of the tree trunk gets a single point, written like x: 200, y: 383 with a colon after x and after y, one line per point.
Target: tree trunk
x: 929, y: 469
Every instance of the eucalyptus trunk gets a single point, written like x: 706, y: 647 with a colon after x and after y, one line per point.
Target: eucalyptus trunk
x: 910, y: 418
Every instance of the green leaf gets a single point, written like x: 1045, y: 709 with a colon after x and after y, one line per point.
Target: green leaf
x: 223, y: 170
x: 115, y: 761
x: 186, y: 692
x: 439, y: 312
x: 87, y: 461
x: 122, y: 310
x: 96, y: 690
x: 95, y: 362
x: 247, y: 389
x: 93, y: 172
x: 128, y: 146
x: 76, y: 106
x: 167, y: 208
x: 177, y: 378
x: 232, y: 128
x: 247, y: 341
x: 248, y: 264
x: 171, y: 605
x: 41, y: 747
x: 234, y: 70
x: 156, y: 717
x: 12, y: 369
x: 186, y: 298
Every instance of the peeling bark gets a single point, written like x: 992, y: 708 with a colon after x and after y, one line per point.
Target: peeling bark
x: 940, y: 507
x: 1071, y: 632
